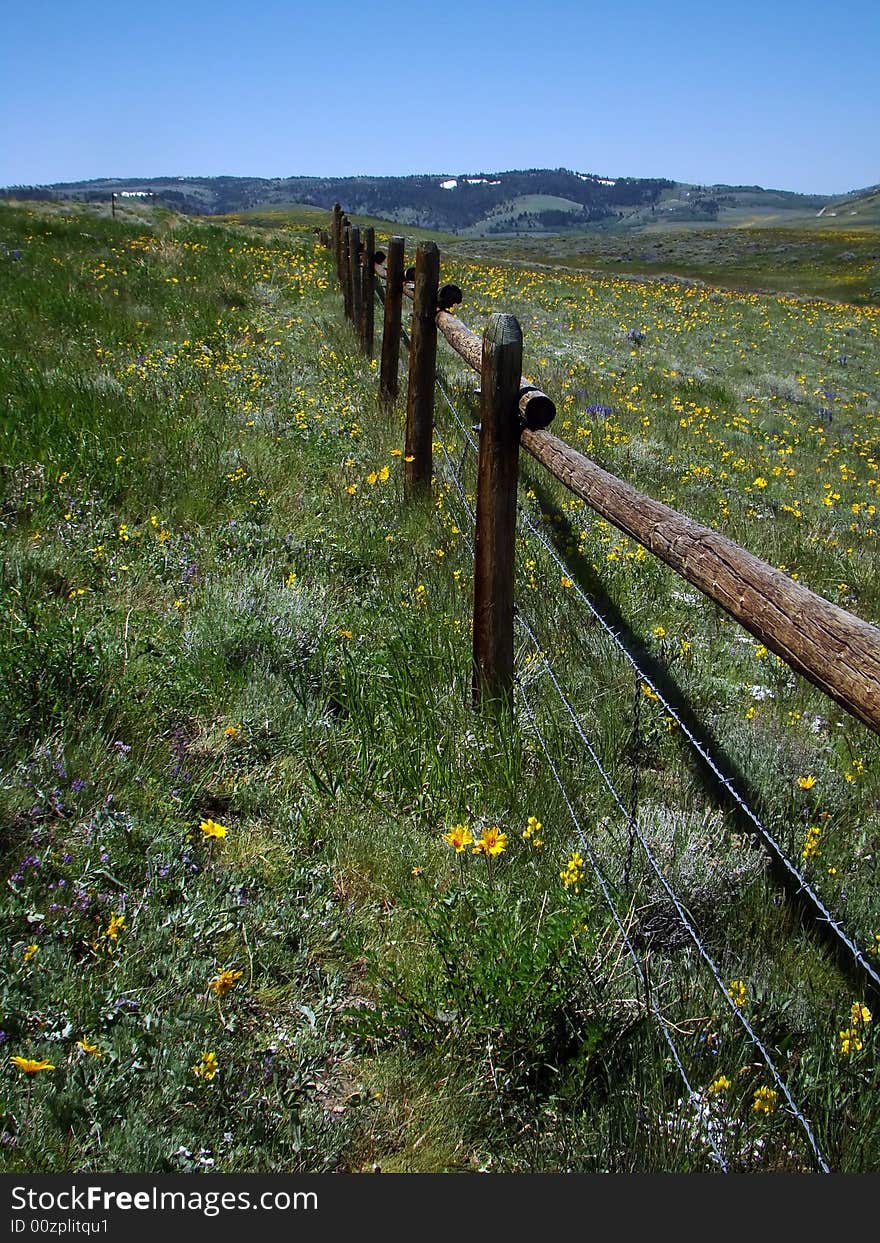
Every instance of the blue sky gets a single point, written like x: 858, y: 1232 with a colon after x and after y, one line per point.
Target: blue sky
x: 776, y: 93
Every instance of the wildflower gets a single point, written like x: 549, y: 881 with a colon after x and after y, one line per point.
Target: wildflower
x: 736, y: 991
x: 210, y: 828
x: 573, y: 872
x: 29, y: 952
x: 721, y: 1084
x: 29, y: 1067
x: 806, y: 783
x: 113, y: 929
x: 531, y: 831
x: 291, y: 579
x: 760, y: 482
x: 92, y: 1049
x: 860, y: 1014
x: 351, y: 489
x: 765, y: 1100
x: 459, y: 838
x: 491, y: 843
x: 811, y: 843
x: 566, y: 581
x: 647, y: 692
x: 224, y: 981
x: 850, y: 1041
x: 416, y: 871
x: 345, y: 634
x: 760, y: 651
x: 659, y: 632
x: 231, y: 730
x: 207, y: 1068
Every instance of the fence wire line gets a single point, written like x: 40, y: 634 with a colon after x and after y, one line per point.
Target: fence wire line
x: 764, y: 833
x: 694, y: 1099
x: 682, y: 914
x: 679, y: 908
x: 673, y: 896
x: 803, y: 886
x: 693, y: 1096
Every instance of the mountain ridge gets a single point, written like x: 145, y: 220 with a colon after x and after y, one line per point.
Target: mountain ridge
x: 472, y: 203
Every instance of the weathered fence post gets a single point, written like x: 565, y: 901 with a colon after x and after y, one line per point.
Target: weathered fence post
x: 392, y: 320
x: 337, y: 240
x: 495, y: 538
x: 346, y: 270
x: 422, y: 372
x: 369, y: 292
x: 354, y: 275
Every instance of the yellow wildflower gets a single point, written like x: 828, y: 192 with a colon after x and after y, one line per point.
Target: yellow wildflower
x: 459, y: 837
x: 210, y: 828
x: 765, y: 1100
x: 207, y: 1068
x: 573, y: 872
x: 850, y: 1041
x: 491, y: 842
x: 113, y: 929
x: 224, y: 981
x: 29, y: 1067
x: 737, y: 992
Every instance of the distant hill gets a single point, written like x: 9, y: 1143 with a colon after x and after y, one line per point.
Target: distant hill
x: 519, y: 201
x: 859, y: 208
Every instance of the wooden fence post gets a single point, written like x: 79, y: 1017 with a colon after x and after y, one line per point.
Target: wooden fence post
x: 422, y: 373
x: 337, y: 239
x: 354, y: 276
x: 369, y: 292
x: 495, y: 537
x: 346, y: 270
x: 392, y: 320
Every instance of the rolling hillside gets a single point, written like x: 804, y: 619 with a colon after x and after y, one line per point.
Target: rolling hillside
x: 519, y: 201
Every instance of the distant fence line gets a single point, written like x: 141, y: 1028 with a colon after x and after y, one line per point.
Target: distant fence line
x: 835, y: 650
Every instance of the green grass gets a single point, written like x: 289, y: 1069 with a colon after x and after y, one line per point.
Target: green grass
x: 218, y: 608
x: 806, y: 261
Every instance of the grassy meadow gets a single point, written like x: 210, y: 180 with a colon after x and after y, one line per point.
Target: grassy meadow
x: 275, y: 898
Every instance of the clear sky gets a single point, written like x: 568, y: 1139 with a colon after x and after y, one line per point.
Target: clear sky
x: 781, y: 93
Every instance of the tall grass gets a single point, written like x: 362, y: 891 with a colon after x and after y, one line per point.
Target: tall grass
x: 219, y: 615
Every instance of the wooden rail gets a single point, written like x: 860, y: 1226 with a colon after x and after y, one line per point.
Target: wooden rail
x: 835, y: 650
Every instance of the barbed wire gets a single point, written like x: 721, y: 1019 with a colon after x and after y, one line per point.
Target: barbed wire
x: 679, y: 907
x: 766, y: 836
x: 693, y: 1096
x: 630, y: 819
x: 635, y: 833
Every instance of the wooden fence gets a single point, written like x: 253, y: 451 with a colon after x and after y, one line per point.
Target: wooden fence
x: 837, y: 651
